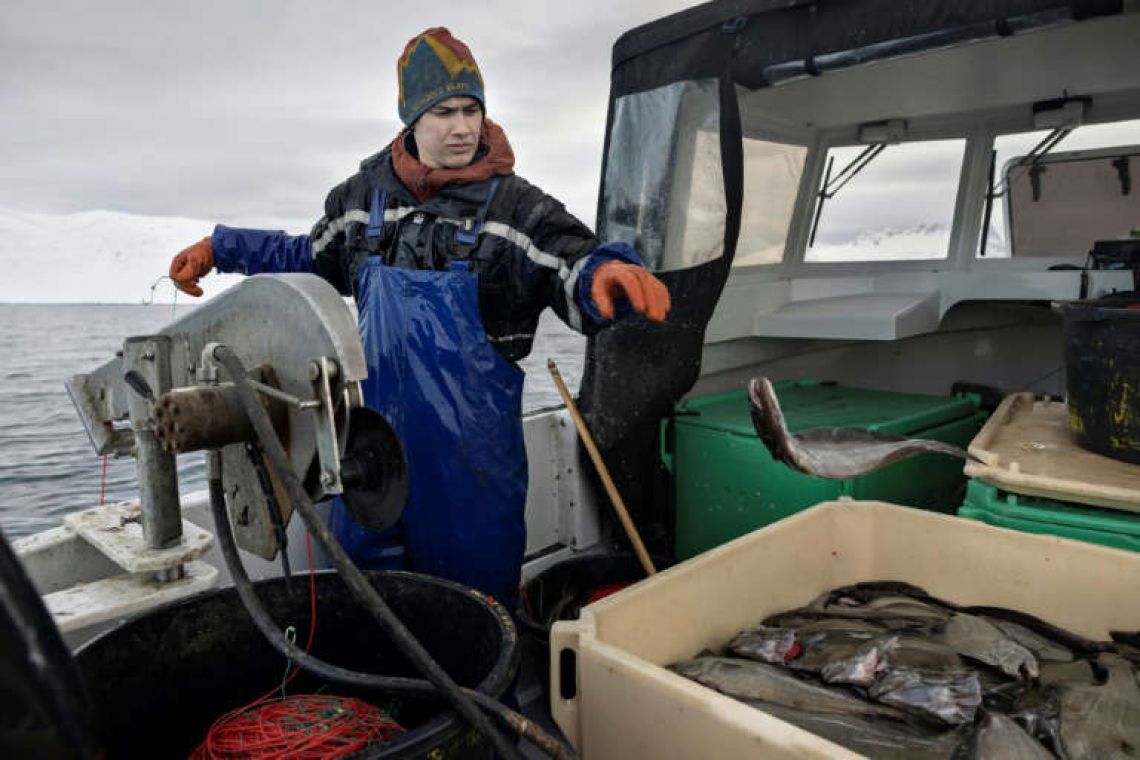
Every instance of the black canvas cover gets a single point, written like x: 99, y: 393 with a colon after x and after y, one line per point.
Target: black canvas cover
x: 775, y: 39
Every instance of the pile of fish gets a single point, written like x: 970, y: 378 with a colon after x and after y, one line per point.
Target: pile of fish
x: 888, y: 671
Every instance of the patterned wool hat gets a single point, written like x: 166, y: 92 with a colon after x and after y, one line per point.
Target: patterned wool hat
x: 435, y: 66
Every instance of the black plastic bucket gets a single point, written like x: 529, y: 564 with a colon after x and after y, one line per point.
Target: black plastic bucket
x: 157, y: 683
x: 1102, y: 375
x: 558, y: 592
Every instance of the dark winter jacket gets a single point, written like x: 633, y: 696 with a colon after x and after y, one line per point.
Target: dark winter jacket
x: 527, y: 250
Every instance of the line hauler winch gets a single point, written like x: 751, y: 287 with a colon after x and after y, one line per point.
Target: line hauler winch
x: 165, y: 395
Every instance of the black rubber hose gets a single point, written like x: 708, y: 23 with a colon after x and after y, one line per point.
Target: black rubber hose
x: 336, y: 674
x: 258, y: 463
x: 353, y: 578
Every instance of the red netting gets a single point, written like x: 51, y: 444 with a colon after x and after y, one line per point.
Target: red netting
x: 299, y: 728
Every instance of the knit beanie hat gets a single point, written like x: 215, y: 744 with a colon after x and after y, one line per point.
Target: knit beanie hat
x: 435, y: 66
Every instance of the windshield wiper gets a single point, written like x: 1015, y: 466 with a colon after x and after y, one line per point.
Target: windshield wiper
x: 1030, y: 159
x: 832, y: 185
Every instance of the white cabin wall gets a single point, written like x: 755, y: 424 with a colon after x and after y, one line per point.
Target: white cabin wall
x: 1010, y: 346
x: 561, y: 507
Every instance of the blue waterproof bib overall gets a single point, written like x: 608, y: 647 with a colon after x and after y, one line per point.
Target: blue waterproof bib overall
x: 455, y: 403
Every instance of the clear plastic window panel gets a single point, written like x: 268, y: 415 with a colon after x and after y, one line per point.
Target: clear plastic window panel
x: 664, y: 185
x: 1011, y: 146
x: 899, y: 206
x: 772, y: 173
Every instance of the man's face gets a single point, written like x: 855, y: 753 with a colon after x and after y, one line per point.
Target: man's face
x: 447, y: 134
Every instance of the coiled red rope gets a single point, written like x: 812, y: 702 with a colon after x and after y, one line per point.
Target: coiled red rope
x: 298, y: 727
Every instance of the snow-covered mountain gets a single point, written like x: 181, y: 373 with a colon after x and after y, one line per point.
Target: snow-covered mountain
x: 96, y: 256
x: 113, y: 257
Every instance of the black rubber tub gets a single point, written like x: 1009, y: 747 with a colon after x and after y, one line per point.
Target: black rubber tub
x: 157, y: 683
x: 558, y: 592
x: 1102, y: 374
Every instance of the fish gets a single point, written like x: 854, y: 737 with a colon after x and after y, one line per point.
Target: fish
x: 858, y: 605
x: 761, y: 682
x: 832, y: 453
x: 859, y: 665
x: 1079, y: 671
x: 773, y: 645
x: 950, y: 696
x: 802, y: 619
x: 1130, y: 653
x: 1101, y: 720
x: 912, y: 652
x: 979, y: 639
x: 1067, y: 639
x: 820, y: 648
x: 1000, y: 738
x: 930, y: 680
x: 1127, y: 645
x: 1039, y: 714
x: 880, y: 739
x: 807, y: 625
x: 1042, y: 648
x: 866, y: 591
x: 1131, y: 638
x: 895, y: 614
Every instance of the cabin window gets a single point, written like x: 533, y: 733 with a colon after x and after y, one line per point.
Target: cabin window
x: 886, y: 202
x: 1059, y: 203
x: 772, y: 174
x: 664, y: 186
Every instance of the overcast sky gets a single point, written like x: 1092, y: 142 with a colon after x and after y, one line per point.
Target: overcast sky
x: 249, y: 111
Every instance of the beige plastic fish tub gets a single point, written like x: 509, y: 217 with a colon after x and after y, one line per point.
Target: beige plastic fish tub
x: 623, y: 704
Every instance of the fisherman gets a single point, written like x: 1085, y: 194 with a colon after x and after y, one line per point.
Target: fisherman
x: 451, y: 258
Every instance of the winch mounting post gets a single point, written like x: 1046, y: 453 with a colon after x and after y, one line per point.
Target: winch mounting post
x: 148, y: 357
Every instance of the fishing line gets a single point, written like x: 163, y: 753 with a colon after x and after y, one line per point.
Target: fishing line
x: 103, y: 483
x: 149, y: 299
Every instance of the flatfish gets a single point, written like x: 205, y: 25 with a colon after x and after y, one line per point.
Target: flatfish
x: 761, y: 682
x: 975, y: 637
x: 833, y: 453
x: 774, y: 645
x: 875, y: 738
x: 949, y: 696
x: 1000, y: 738
x: 1101, y: 721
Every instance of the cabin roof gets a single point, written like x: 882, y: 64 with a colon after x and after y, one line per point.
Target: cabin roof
x: 778, y: 40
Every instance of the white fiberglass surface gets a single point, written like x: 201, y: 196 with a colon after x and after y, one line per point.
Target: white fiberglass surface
x: 1011, y: 146
x: 899, y: 207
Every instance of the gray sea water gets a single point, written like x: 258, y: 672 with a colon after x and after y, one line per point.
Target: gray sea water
x: 47, y: 464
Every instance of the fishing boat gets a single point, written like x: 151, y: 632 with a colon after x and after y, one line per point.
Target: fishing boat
x: 839, y: 195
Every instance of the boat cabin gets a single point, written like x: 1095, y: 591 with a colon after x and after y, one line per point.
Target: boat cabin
x: 841, y: 192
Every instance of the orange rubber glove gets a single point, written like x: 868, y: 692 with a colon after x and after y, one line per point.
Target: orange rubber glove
x: 616, y: 279
x: 191, y: 264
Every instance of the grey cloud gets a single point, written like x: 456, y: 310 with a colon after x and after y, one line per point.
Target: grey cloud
x: 240, y: 110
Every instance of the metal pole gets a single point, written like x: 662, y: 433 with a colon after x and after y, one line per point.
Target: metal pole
x: 148, y: 357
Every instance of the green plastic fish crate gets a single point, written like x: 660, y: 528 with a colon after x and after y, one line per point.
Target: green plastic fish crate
x: 1107, y: 527
x: 726, y: 483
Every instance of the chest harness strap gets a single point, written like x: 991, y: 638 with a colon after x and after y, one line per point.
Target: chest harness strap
x: 376, y: 215
x: 467, y: 234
